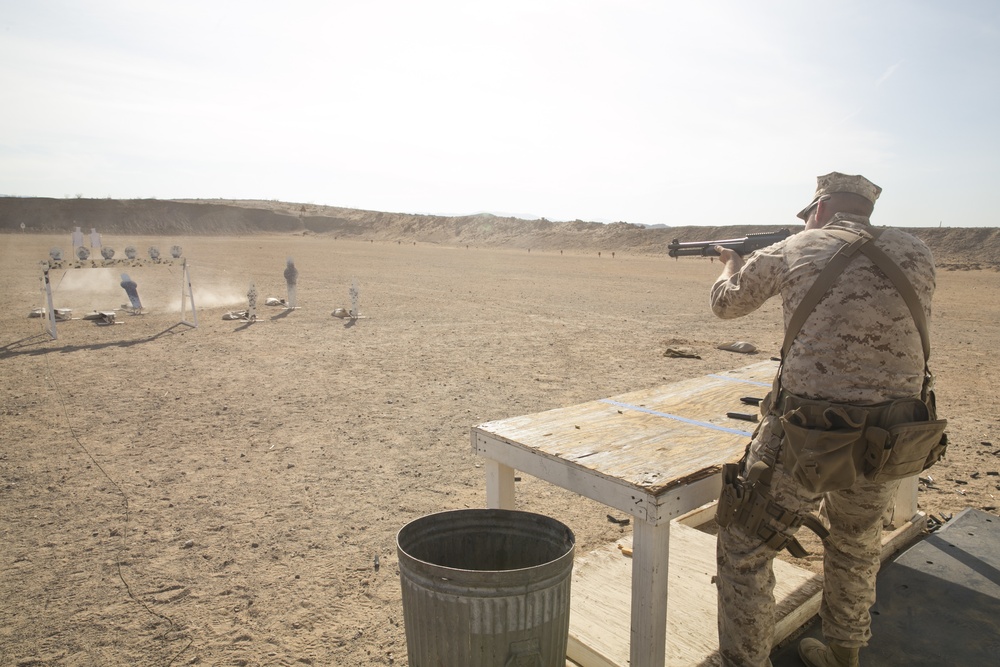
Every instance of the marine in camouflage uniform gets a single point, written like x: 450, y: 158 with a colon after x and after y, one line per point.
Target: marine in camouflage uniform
x: 860, y: 346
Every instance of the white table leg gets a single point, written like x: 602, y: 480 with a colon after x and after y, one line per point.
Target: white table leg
x: 499, y: 486
x: 905, y: 505
x: 650, y: 553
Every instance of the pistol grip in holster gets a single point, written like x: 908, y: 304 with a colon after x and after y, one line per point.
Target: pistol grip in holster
x: 731, y: 496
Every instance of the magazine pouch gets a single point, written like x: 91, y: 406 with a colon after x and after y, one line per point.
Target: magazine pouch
x: 823, y: 445
x: 907, y: 440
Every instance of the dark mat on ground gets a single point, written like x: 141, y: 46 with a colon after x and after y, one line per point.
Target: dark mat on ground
x: 938, y: 602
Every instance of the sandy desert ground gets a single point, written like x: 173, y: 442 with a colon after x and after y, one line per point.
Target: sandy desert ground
x: 218, y: 495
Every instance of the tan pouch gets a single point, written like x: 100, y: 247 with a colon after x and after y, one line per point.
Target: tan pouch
x: 823, y: 445
x: 904, y: 450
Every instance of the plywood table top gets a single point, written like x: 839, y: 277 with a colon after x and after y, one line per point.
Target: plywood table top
x: 654, y: 439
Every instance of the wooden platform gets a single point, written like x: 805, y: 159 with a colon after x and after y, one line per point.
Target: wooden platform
x: 599, y: 617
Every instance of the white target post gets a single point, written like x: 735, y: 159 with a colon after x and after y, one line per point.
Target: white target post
x: 50, y: 312
x: 252, y: 303
x: 188, y: 293
x: 355, y: 293
x: 354, y: 314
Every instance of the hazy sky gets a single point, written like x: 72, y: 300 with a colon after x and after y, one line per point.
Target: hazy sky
x: 715, y: 112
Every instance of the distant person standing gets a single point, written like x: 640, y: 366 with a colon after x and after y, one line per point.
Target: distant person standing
x: 862, y: 344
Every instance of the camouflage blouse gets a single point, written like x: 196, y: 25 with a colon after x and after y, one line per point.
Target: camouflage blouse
x: 860, y: 345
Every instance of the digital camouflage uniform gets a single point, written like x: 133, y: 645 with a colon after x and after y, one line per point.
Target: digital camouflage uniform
x: 861, y: 346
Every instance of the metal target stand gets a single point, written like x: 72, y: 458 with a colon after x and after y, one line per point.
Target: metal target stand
x: 187, y: 293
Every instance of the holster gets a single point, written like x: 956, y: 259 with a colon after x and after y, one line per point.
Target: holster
x: 748, y: 503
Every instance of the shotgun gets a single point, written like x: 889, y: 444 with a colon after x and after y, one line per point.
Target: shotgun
x: 742, y: 246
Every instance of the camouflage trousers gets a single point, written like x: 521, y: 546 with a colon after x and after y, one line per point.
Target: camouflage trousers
x: 850, y: 562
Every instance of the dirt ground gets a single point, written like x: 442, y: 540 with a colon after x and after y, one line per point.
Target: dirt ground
x: 218, y: 495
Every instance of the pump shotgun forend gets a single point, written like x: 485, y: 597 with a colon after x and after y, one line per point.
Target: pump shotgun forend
x: 742, y: 246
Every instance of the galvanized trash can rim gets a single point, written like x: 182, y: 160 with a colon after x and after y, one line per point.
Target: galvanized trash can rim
x: 405, y: 541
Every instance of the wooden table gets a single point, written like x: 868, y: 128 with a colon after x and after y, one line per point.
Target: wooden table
x: 655, y: 454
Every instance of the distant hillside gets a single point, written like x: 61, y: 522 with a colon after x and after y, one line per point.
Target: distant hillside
x: 963, y: 247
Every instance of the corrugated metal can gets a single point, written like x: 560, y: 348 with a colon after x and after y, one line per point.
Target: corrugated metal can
x: 486, y: 588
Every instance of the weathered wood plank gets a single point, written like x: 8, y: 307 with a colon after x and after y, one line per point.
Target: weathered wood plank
x: 599, y: 629
x: 600, y: 619
x: 653, y: 439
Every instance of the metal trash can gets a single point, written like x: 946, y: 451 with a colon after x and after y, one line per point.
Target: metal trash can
x: 485, y: 588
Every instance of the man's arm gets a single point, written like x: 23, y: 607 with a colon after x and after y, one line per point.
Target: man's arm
x: 744, y: 285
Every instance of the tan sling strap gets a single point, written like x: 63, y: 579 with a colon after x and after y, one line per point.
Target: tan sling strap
x: 905, y: 288
x: 855, y: 240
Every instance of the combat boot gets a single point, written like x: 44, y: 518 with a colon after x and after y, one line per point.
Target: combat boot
x: 815, y: 653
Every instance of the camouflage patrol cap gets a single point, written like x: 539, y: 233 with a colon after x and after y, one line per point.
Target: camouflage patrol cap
x: 837, y: 182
